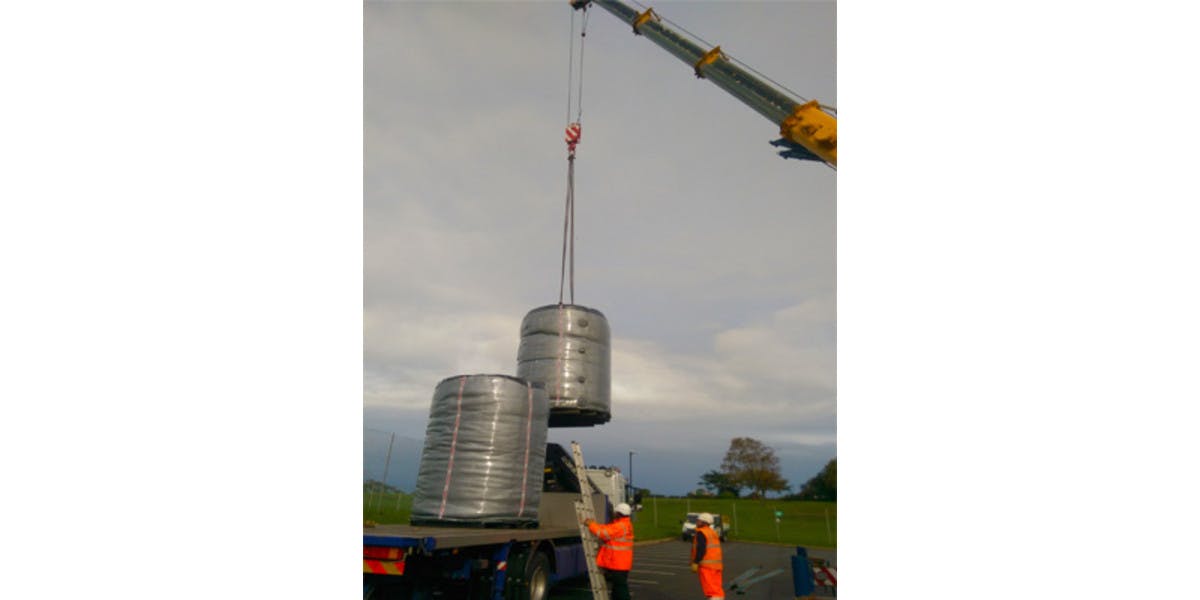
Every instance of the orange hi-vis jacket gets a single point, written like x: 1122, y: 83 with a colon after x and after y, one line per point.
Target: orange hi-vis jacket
x: 616, y: 539
x: 712, y: 549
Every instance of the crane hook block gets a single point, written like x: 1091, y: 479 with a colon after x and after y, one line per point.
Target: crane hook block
x: 814, y: 129
x: 709, y: 58
x: 573, y: 135
x: 641, y: 20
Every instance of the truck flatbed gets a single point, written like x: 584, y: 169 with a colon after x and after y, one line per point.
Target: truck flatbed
x: 558, y: 520
x: 429, y: 539
x: 406, y: 560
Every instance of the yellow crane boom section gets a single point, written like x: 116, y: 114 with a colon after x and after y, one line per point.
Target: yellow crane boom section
x: 805, y: 124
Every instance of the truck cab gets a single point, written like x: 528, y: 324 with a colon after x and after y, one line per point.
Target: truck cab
x: 610, y: 482
x: 688, y: 528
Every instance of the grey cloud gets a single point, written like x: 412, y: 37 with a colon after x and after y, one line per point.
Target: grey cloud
x: 713, y: 259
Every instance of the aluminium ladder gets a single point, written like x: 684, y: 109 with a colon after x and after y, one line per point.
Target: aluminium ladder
x: 584, y: 511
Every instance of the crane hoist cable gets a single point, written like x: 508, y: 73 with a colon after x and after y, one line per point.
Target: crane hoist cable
x: 568, y: 231
x: 574, y: 131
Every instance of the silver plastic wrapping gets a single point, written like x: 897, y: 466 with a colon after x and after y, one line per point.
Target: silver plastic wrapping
x: 566, y: 349
x: 484, y: 454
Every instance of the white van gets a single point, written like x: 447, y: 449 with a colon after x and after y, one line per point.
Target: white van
x: 689, y: 526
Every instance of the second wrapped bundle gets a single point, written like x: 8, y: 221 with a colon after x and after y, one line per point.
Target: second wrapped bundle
x: 565, y: 347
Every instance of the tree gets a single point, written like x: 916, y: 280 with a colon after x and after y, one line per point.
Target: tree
x: 720, y: 484
x: 823, y: 486
x: 751, y: 464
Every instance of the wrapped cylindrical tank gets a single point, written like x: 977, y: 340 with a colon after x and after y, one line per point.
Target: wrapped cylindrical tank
x: 484, y: 454
x: 565, y: 347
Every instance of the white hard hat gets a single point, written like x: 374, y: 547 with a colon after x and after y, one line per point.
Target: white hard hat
x: 706, y: 517
x: 623, y: 509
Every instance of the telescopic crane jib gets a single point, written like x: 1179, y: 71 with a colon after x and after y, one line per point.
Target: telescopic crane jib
x: 807, y: 129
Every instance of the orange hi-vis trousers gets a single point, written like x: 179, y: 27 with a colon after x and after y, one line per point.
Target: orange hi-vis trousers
x: 710, y: 583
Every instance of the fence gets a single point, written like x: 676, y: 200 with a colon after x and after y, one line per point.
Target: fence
x: 788, y: 522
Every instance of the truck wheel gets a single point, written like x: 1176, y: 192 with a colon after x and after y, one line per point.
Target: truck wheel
x: 537, y: 578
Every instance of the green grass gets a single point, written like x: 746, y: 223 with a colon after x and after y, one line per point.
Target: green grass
x: 386, y: 507
x: 802, y: 524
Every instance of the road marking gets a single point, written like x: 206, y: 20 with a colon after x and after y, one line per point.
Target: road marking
x: 745, y: 585
x: 655, y: 572
x: 642, y: 581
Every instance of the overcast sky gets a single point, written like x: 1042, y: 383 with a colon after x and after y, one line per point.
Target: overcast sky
x: 712, y: 258
x: 1015, y: 285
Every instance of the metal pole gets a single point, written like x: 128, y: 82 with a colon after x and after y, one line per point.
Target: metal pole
x: 827, y: 529
x: 654, y: 499
x: 386, y: 464
x: 775, y: 512
x: 633, y: 489
x: 368, y: 490
x: 735, y: 519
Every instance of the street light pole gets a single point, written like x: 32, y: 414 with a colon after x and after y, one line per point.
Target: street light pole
x: 632, y: 490
x: 631, y: 453
x: 386, y: 464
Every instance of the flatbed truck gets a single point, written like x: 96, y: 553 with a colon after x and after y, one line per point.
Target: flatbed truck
x: 418, y: 562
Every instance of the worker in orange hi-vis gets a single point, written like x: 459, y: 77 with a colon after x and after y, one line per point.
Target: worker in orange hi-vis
x: 706, y: 557
x: 616, y: 550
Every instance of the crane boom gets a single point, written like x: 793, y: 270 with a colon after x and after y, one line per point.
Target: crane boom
x: 805, y: 124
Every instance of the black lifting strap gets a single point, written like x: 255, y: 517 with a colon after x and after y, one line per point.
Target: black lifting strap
x: 568, y: 232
